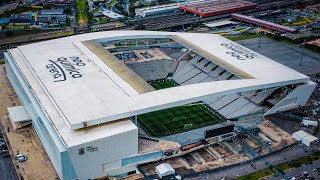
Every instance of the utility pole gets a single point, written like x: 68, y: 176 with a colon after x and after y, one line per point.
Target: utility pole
x: 301, y: 57
x: 259, y: 42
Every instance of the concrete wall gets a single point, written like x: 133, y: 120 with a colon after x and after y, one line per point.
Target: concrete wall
x: 298, y: 97
x: 46, y: 133
x: 104, y: 156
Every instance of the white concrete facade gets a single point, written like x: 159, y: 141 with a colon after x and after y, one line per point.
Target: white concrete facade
x: 84, y: 105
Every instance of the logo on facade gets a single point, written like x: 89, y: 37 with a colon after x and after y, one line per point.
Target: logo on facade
x: 63, y: 67
x: 88, y: 149
x: 238, y: 52
x: 81, y: 151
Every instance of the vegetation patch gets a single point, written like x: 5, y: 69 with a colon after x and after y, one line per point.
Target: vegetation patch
x: 282, y: 167
x: 82, y: 12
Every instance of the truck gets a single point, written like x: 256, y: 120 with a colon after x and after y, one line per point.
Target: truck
x: 309, y: 122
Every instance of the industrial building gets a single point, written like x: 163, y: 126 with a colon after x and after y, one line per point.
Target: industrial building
x: 161, y: 9
x: 91, y: 97
x: 186, y: 13
x: 264, y: 23
x: 204, y: 8
x: 218, y: 7
x: 21, y: 19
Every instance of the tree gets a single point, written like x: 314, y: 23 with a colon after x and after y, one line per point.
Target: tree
x: 8, y: 33
x: 67, y: 10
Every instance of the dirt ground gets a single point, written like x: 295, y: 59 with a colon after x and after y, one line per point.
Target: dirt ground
x: 279, y: 137
x: 24, y: 140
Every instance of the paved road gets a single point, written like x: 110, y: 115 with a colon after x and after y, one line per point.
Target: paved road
x: 9, y: 6
x: 295, y: 172
x: 7, y: 171
x: 281, y: 157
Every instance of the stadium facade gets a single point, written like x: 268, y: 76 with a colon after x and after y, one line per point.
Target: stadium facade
x: 84, y: 102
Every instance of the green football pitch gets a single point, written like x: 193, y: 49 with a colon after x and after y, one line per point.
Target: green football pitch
x: 176, y: 119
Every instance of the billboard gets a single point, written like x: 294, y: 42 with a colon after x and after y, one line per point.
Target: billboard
x: 218, y: 131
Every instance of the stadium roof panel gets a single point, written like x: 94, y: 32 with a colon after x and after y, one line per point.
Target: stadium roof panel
x: 73, y: 84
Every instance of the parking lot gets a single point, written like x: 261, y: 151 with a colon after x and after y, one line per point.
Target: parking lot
x: 7, y: 170
x: 286, y: 54
x: 302, y: 172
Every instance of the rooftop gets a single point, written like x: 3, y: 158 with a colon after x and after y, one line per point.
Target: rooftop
x: 51, y: 12
x: 112, y: 15
x: 263, y: 22
x: 217, y: 7
x: 79, y: 89
x: 219, y: 23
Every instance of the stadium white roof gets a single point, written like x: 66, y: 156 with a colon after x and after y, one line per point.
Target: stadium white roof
x: 84, y: 91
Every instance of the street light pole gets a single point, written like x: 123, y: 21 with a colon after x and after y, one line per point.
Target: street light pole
x: 301, y: 57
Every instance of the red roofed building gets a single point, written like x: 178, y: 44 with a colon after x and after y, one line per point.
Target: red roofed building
x: 218, y: 7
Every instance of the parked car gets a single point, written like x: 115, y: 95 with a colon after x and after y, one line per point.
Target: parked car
x: 2, y: 144
x: 21, y: 158
x: 4, y: 151
x: 6, y: 155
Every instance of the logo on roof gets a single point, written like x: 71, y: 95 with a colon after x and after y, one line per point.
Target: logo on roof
x: 64, y: 67
x: 239, y: 52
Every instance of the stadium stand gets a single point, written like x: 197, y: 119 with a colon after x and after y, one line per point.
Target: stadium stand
x: 216, y: 71
x: 209, y: 67
x: 200, y: 77
x: 248, y: 121
x: 153, y: 70
x: 187, y: 75
x: 225, y: 100
x: 181, y: 64
x: 195, y: 59
x: 199, y: 69
x: 239, y: 107
x: 249, y: 108
x: 260, y: 97
x: 224, y: 76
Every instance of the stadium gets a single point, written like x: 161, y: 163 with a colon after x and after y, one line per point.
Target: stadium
x: 103, y: 103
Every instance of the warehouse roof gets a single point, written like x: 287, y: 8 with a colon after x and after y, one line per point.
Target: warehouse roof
x: 218, y: 7
x: 264, y: 23
x: 73, y: 84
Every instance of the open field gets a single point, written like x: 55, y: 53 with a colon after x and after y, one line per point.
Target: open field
x: 82, y: 9
x: 176, y: 119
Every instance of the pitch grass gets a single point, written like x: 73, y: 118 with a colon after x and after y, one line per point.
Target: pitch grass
x: 163, y: 84
x: 176, y: 119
